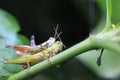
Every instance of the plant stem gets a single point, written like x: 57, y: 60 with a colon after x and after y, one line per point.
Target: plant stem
x: 108, y: 17
x: 88, y: 44
x: 57, y: 59
x: 106, y: 44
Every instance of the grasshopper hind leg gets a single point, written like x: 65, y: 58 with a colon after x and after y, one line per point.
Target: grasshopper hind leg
x: 27, y: 65
x: 48, y: 57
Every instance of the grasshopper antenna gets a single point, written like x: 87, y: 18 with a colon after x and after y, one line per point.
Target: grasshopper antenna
x: 32, y: 41
x: 56, y: 29
x: 57, y: 35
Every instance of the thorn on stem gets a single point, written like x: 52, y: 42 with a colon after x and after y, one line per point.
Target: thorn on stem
x: 99, y: 58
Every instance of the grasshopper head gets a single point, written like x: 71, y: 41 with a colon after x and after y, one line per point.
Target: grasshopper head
x: 57, y: 46
x: 51, y: 41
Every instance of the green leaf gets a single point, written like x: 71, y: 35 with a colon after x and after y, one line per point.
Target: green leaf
x: 9, y: 36
x: 115, y: 9
x: 110, y: 67
x: 5, y: 23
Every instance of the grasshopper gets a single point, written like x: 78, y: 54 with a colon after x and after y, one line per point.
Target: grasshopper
x: 36, y: 53
x: 38, y: 57
x: 33, y: 48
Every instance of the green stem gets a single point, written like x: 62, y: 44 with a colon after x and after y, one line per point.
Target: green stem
x: 109, y: 14
x: 88, y: 44
x: 69, y: 53
x: 106, y: 44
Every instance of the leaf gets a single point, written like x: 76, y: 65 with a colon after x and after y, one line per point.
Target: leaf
x: 9, y: 36
x: 115, y: 9
x: 110, y: 67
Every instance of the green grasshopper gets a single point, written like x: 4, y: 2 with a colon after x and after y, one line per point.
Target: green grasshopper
x: 36, y: 53
x: 40, y: 56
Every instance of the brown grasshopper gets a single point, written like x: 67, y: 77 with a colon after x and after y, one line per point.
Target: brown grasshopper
x: 33, y: 48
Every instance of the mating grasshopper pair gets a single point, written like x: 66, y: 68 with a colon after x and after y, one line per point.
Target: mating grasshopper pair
x: 36, y: 53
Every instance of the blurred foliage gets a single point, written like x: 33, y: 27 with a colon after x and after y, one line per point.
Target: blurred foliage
x: 8, y: 36
x: 110, y: 67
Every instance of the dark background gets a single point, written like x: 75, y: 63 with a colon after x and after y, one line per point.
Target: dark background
x: 40, y: 16
x: 76, y: 19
